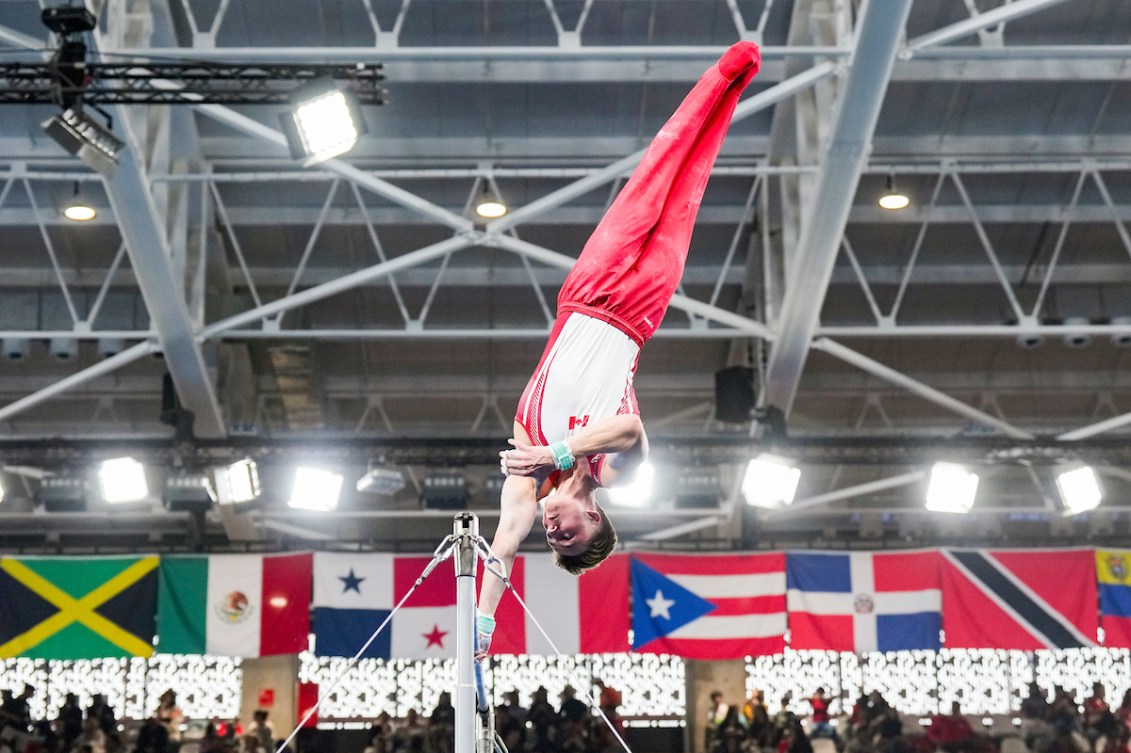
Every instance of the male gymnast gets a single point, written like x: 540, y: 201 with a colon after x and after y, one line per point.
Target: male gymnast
x: 578, y: 426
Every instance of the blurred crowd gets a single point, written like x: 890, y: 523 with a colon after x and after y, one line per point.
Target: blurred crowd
x: 1046, y: 723
x: 542, y: 727
x: 96, y: 729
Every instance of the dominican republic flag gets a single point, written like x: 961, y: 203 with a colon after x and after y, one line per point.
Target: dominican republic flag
x: 1020, y: 599
x: 863, y: 601
x: 234, y: 604
x: 581, y: 615
x: 1113, y: 571
x: 708, y: 606
x: 355, y: 593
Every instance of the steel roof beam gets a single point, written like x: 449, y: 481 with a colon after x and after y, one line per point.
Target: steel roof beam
x: 842, y: 159
x: 974, y: 24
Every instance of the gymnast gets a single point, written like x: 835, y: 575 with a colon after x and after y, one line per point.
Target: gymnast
x: 578, y: 426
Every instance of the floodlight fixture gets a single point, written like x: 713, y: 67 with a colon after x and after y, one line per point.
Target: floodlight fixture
x: 122, y: 480
x: 323, y: 122
x: 386, y: 481
x: 951, y: 488
x: 490, y: 206
x: 893, y: 199
x: 15, y: 348
x: 64, y: 493
x: 188, y: 492
x: 770, y: 482
x: 238, y: 483
x: 1079, y: 490
x: 78, y: 209
x: 638, y: 491
x: 444, y: 491
x: 86, y: 138
x: 315, y: 489
x: 3, y: 491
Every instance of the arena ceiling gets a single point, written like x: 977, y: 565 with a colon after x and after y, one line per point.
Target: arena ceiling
x: 356, y: 314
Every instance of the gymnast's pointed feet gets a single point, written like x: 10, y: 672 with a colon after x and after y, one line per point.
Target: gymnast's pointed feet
x: 742, y: 58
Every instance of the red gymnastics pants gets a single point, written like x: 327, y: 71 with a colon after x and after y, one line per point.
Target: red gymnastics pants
x: 629, y: 269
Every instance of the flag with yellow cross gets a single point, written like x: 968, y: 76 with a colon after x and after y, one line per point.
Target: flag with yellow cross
x: 70, y: 608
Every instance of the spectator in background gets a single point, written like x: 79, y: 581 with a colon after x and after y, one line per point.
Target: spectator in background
x: 609, y: 700
x: 820, y: 718
x: 756, y: 717
x: 542, y: 717
x: 573, y: 729
x: 380, y: 733
x: 103, y: 714
x: 794, y: 739
x: 509, y: 727
x: 716, y: 713
x: 1099, y: 721
x: 92, y: 739
x: 442, y: 725
x: 210, y: 742
x: 153, y: 737
x: 262, y: 728
x: 70, y: 720
x: 951, y: 732
x: 1123, y: 713
x: 572, y: 709
x: 170, y: 716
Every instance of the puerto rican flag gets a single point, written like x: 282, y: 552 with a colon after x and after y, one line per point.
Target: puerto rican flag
x: 708, y: 606
x: 864, y: 601
x: 1020, y: 599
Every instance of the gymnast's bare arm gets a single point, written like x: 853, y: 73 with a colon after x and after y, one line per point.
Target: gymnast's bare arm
x: 620, y: 437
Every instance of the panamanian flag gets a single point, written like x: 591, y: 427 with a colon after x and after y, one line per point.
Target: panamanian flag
x: 864, y: 601
x: 354, y: 593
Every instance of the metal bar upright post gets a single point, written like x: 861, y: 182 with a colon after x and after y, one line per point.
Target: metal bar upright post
x: 466, y: 530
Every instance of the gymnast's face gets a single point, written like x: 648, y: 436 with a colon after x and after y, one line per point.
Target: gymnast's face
x: 570, y: 523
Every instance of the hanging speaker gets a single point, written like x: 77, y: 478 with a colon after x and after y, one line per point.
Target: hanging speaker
x: 734, y: 394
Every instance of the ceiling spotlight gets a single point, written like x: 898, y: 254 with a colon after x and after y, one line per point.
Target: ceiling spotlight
x: 490, y: 206
x: 324, y: 122
x: 635, y: 493
x: 85, y: 138
x: 1079, y: 490
x: 386, y: 481
x: 79, y: 209
x: 770, y: 482
x: 315, y: 489
x: 951, y: 488
x: 893, y: 199
x: 188, y: 492
x: 238, y: 483
x: 122, y: 480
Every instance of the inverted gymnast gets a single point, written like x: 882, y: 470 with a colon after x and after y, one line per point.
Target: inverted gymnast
x: 578, y: 426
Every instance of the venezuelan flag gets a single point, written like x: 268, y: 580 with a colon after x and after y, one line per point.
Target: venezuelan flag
x: 1113, y: 570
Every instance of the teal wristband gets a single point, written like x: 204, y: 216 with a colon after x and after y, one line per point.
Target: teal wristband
x: 485, y: 624
x: 563, y: 456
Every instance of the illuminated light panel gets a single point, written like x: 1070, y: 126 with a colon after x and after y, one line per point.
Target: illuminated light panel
x: 770, y: 482
x: 326, y: 126
x: 80, y: 213
x: 951, y: 488
x: 315, y: 489
x: 1079, y: 490
x: 122, y: 480
x: 638, y: 492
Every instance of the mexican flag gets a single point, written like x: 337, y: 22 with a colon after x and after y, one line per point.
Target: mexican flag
x: 234, y: 604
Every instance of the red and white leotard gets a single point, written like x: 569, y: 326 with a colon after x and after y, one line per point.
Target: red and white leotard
x: 585, y: 375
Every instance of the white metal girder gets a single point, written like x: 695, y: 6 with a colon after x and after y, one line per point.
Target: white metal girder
x: 877, y: 38
x: 972, y: 25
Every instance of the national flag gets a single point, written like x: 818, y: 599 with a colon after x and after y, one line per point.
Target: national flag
x: 234, y: 604
x: 864, y: 601
x: 71, y: 608
x: 708, y: 606
x: 355, y: 593
x: 1113, y: 571
x: 586, y: 614
x: 1019, y: 599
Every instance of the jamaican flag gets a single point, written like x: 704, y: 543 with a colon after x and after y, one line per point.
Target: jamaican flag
x: 77, y: 608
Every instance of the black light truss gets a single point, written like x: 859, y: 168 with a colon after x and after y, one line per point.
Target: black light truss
x: 468, y: 451
x: 180, y: 83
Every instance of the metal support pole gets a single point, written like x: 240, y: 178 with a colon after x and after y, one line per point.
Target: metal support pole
x: 466, y: 531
